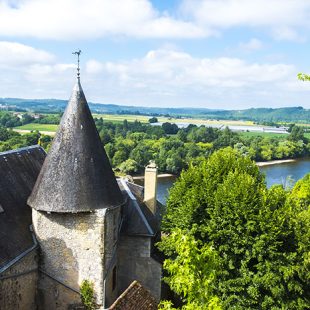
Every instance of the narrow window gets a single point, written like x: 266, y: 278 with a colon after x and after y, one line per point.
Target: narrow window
x: 114, y: 278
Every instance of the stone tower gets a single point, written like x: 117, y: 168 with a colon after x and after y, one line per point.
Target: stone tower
x: 76, y: 205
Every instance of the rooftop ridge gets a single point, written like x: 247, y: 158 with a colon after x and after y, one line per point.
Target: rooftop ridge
x: 22, y: 149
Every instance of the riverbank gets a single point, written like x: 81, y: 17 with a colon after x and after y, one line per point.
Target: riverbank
x: 259, y: 164
x: 274, y: 162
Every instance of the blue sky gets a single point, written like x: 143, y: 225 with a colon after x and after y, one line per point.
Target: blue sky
x: 229, y: 54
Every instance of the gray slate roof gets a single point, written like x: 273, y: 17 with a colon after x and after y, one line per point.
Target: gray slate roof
x: 18, y: 172
x: 138, y: 219
x: 76, y: 175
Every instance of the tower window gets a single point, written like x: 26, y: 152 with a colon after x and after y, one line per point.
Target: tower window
x: 114, y: 278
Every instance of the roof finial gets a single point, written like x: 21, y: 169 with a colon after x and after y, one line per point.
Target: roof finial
x: 78, y: 53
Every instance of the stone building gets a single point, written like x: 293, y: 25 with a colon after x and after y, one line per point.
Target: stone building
x: 86, y: 224
x: 18, y: 246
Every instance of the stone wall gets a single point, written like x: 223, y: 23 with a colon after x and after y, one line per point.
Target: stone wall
x: 19, y: 291
x: 71, y: 251
x: 112, y: 224
x: 135, y: 263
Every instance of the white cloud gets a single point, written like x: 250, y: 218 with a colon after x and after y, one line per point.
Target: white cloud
x: 87, y: 19
x: 163, y: 77
x: 32, y: 73
x: 284, y: 18
x: 227, y: 13
x: 252, y: 45
x: 16, y: 54
x: 168, y: 77
x: 93, y: 66
x: 175, y: 68
x: 288, y: 33
x: 92, y: 19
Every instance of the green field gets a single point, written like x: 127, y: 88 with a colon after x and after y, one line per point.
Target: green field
x: 121, y: 117
x: 39, y: 127
x: 144, y: 119
x: 117, y: 118
x: 249, y: 134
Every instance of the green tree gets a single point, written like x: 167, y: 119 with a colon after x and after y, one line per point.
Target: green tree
x: 45, y: 141
x: 256, y: 233
x: 4, y: 134
x: 32, y: 138
x: 26, y: 119
x: 105, y: 136
x: 129, y: 166
x: 141, y: 154
x: 174, y: 163
x: 119, y: 157
x: 296, y: 134
x: 191, y: 270
x: 170, y: 128
x: 153, y: 120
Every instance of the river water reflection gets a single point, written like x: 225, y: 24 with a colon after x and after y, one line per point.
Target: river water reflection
x: 285, y: 173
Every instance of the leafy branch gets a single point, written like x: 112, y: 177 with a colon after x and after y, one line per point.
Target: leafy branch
x: 303, y: 76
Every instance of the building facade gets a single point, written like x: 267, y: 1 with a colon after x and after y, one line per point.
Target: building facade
x: 86, y: 224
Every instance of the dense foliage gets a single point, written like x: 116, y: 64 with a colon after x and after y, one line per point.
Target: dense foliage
x: 260, y: 236
x: 131, y: 145
x: 10, y: 139
x: 10, y: 120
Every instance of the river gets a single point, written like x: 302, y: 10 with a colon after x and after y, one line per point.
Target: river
x: 285, y: 173
x: 253, y: 128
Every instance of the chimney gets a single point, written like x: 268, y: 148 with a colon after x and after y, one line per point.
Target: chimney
x: 150, y: 186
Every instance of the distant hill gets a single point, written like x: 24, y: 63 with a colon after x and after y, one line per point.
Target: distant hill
x: 56, y: 106
x: 290, y: 114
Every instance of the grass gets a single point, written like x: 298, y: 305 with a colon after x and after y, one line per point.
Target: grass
x: 117, y: 118
x: 39, y: 127
x: 120, y: 117
x: 144, y: 119
x: 249, y: 134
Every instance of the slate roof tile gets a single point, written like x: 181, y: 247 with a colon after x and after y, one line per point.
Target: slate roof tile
x: 18, y: 172
x: 76, y: 175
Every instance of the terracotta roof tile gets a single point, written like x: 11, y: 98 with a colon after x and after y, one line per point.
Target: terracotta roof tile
x: 135, y: 297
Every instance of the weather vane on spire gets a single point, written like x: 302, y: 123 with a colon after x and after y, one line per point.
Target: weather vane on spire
x: 78, y: 53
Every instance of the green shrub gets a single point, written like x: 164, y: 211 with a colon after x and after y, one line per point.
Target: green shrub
x: 87, y: 294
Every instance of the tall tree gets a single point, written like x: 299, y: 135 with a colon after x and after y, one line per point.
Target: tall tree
x: 256, y: 233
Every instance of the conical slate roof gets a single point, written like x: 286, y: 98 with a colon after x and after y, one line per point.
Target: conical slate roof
x: 76, y: 175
